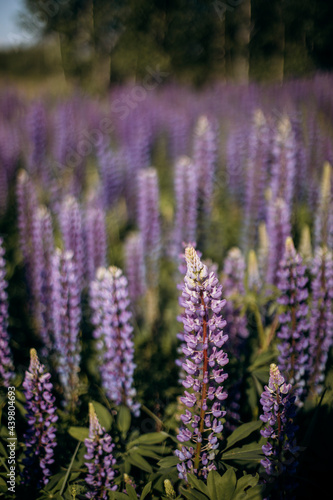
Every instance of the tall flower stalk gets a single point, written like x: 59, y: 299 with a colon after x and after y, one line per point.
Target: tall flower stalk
x: 321, y: 320
x: 99, y: 458
x: 293, y: 320
x: 6, y: 362
x: 204, y: 365
x: 280, y: 450
x: 186, y: 197
x: 111, y: 318
x: 40, y: 437
x: 149, y: 221
x: 67, y: 318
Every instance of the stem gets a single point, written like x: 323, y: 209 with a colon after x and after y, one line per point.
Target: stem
x: 204, y: 386
x: 69, y: 468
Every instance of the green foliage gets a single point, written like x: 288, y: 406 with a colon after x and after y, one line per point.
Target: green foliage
x: 223, y: 487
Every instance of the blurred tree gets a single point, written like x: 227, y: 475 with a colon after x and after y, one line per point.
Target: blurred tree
x: 195, y: 40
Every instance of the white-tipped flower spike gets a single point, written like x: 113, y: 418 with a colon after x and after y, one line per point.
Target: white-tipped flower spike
x: 253, y: 277
x: 204, y: 366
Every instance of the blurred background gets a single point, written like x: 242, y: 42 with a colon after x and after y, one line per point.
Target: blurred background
x: 97, y: 43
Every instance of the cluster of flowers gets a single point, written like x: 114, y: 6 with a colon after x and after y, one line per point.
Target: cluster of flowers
x: 204, y: 366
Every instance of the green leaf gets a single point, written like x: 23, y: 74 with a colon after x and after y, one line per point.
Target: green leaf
x: 116, y: 495
x: 135, y: 459
x: 146, y: 452
x: 146, y: 490
x: 131, y: 492
x: 150, y: 438
x: 242, y: 432
x: 79, y: 433
x: 247, y: 482
x: 221, y: 487
x: 193, y: 494
x: 124, y: 419
x: 249, y: 452
x: 103, y: 415
x: 197, y: 484
x: 168, y: 462
x: 254, y: 493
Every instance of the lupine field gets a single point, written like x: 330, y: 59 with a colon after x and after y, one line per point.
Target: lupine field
x: 166, y: 293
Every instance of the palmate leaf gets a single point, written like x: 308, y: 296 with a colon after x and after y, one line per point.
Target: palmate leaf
x: 134, y: 458
x: 242, y: 432
x: 225, y: 487
x: 150, y: 438
x: 249, y: 452
x: 221, y: 487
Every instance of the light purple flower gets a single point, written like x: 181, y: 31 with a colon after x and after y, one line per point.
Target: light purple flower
x: 204, y: 362
x: 100, y: 460
x: 111, y: 319
x: 6, y: 362
x: 67, y: 317
x: 293, y: 323
x: 40, y: 438
x: 279, y: 410
x: 321, y: 319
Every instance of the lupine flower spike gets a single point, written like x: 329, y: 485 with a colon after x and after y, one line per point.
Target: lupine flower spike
x: 293, y: 319
x: 204, y: 365
x: 278, y: 403
x: 321, y: 320
x: 40, y: 437
x: 99, y: 458
x: 113, y: 331
x: 6, y: 363
x: 67, y: 318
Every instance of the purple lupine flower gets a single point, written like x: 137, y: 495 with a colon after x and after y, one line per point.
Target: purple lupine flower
x: 235, y: 162
x: 324, y: 215
x: 293, y: 327
x: 204, y: 367
x: 135, y: 267
x: 278, y: 229
x: 30, y: 235
x: 71, y: 226
x: 149, y: 221
x: 46, y: 300
x: 111, y: 173
x: 67, y: 318
x: 37, y: 129
x: 205, y: 159
x: 236, y: 327
x: 257, y: 167
x: 99, y: 458
x: 3, y: 191
x: 114, y: 333
x: 283, y: 168
x: 321, y: 319
x: 6, y: 362
x: 233, y: 283
x: 40, y: 437
x: 186, y: 197
x: 279, y: 410
x: 95, y: 240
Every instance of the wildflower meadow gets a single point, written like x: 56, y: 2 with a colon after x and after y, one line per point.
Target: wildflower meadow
x: 166, y: 292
